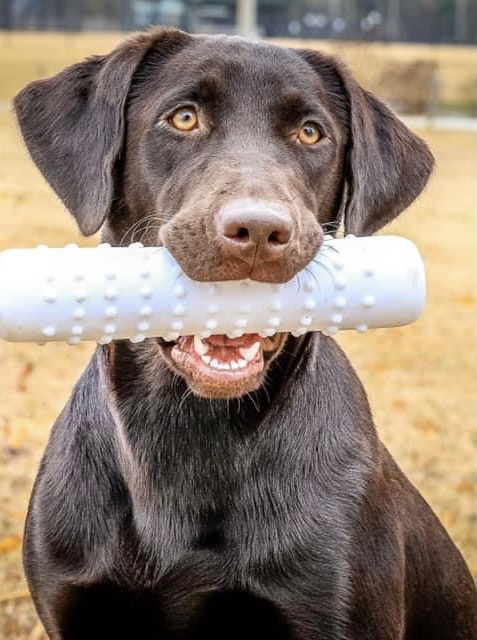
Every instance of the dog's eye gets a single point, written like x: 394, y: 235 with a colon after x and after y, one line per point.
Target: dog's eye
x: 185, y: 119
x: 309, y: 133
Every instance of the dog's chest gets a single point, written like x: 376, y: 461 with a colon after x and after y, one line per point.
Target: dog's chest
x: 230, y: 523
x: 273, y: 542
x: 227, y: 504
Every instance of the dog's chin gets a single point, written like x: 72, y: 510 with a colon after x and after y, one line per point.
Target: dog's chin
x: 222, y: 367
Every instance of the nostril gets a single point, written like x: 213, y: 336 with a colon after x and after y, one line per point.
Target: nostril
x: 242, y: 234
x: 279, y: 237
x: 233, y: 231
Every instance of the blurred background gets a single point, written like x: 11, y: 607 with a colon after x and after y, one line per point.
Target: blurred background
x: 419, y: 56
x: 453, y: 21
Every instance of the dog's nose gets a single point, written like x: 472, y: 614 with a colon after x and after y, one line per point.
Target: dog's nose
x: 255, y: 230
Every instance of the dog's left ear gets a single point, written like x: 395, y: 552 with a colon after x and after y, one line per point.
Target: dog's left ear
x: 387, y: 166
x: 74, y: 123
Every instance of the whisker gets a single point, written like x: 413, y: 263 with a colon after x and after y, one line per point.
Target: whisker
x: 148, y: 229
x: 265, y: 382
x: 187, y: 393
x: 179, y: 275
x: 331, y: 225
x: 324, y: 266
x: 329, y: 247
x: 298, y: 283
x: 311, y: 274
x: 254, y: 403
x: 144, y: 220
x: 212, y: 407
x: 137, y: 224
x: 176, y: 379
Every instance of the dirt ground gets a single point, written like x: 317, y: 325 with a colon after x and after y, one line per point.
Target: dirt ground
x: 421, y: 379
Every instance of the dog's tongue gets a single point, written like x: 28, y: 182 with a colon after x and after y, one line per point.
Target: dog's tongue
x: 223, y: 341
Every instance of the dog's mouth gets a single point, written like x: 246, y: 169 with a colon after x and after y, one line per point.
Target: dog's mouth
x: 222, y: 367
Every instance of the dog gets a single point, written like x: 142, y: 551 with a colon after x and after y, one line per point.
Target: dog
x: 189, y: 498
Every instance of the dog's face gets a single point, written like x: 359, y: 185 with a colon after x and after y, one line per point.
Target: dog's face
x: 237, y: 153
x: 252, y: 162
x: 234, y: 155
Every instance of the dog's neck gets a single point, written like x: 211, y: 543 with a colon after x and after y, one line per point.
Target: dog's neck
x: 140, y: 380
x: 157, y: 412
x: 181, y: 454
x: 171, y: 442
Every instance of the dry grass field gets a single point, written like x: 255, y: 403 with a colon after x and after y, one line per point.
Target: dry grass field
x: 24, y: 56
x: 421, y: 379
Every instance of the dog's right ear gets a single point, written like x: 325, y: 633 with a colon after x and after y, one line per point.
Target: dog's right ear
x: 387, y: 165
x: 73, y: 123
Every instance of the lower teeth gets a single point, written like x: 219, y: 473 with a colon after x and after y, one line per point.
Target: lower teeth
x: 233, y: 365
x: 247, y: 354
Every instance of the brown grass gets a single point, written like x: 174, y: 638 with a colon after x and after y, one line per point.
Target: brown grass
x: 456, y: 72
x: 420, y: 379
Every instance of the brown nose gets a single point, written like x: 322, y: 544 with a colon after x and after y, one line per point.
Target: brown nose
x: 255, y: 230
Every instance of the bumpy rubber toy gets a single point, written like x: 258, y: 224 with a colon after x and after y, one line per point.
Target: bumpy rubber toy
x: 105, y: 293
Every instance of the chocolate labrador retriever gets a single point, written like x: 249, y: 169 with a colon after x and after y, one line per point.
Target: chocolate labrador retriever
x: 228, y: 488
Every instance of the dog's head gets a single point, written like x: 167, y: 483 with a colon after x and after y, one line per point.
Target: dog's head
x: 234, y: 155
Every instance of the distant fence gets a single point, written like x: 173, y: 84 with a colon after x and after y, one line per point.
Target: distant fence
x: 446, y: 21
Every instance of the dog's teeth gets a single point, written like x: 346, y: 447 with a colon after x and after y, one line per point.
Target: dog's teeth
x: 216, y: 364
x: 199, y: 346
x: 250, y: 353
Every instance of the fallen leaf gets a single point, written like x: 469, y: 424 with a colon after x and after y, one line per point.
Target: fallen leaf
x: 466, y: 487
x: 22, y: 382
x: 426, y: 425
x: 10, y: 543
x: 399, y: 404
x: 466, y: 300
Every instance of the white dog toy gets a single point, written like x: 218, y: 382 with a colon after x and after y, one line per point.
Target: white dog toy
x: 136, y: 292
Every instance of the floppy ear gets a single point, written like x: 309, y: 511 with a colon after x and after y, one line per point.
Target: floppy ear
x: 73, y: 124
x: 387, y: 166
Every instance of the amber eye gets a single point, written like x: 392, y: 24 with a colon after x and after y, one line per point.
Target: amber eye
x: 309, y: 133
x: 184, y: 119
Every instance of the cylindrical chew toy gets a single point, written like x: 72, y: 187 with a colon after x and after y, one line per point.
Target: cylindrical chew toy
x: 105, y: 293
